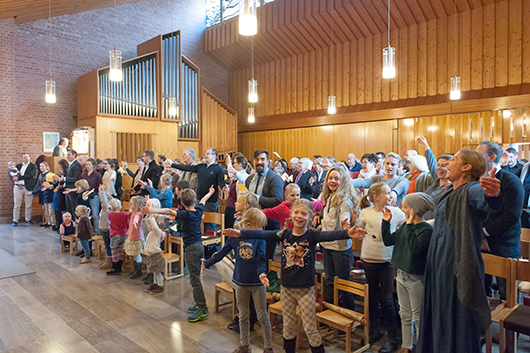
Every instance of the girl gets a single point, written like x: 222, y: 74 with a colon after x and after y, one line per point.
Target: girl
x: 68, y: 226
x: 84, y: 194
x: 155, y: 260
x: 250, y: 263
x: 119, y: 225
x: 378, y: 270
x: 104, y: 227
x: 411, y: 242
x: 135, y: 235
x: 165, y: 194
x: 109, y: 178
x: 84, y: 230
x: 298, y: 278
x: 339, y: 195
x: 240, y: 166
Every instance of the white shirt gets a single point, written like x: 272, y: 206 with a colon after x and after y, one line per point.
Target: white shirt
x: 21, y: 174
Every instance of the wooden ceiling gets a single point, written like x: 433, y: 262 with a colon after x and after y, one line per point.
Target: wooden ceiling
x: 31, y: 10
x: 292, y: 27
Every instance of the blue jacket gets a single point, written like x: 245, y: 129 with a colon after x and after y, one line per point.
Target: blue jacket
x: 165, y: 197
x: 250, y: 260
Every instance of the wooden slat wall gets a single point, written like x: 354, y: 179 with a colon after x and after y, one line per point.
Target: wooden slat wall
x: 493, y: 53
x: 445, y: 133
x: 219, y: 125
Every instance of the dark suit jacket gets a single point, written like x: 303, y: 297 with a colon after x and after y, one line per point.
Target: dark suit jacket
x: 504, y: 226
x: 306, y: 190
x: 153, y: 172
x: 272, y: 194
x: 72, y: 174
x: 319, y: 183
x: 30, y: 175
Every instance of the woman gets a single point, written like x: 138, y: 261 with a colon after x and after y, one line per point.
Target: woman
x: 419, y: 176
x: 368, y: 164
x: 240, y: 166
x: 455, y: 310
x: 109, y: 178
x: 94, y: 181
x: 45, y: 196
x: 339, y: 196
x: 59, y: 201
x: 137, y: 175
x: 119, y: 179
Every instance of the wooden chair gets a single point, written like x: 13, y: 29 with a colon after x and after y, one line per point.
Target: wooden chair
x: 72, y: 239
x: 500, y: 267
x: 516, y: 318
x: 171, y: 258
x: 99, y: 246
x: 217, y: 219
x: 126, y: 205
x: 342, y: 318
x: 525, y: 243
x: 224, y: 287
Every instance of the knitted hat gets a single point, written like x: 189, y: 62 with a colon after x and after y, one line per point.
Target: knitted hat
x: 420, y: 202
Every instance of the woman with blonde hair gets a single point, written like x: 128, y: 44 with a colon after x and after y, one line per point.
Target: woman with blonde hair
x: 339, y: 196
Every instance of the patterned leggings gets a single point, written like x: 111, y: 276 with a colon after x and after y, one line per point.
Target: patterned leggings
x: 305, y: 298
x: 117, y: 254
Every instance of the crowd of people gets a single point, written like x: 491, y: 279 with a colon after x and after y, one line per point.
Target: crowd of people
x: 423, y: 220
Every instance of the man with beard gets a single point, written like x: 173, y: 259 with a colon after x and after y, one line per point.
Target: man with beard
x: 268, y: 186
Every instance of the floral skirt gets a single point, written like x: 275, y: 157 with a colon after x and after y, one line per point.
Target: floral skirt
x: 133, y: 247
x: 155, y: 263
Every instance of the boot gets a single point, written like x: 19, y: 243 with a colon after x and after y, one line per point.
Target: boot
x: 289, y: 346
x: 148, y: 278
x: 137, y: 271
x: 107, y: 264
x: 319, y: 349
x: 116, y: 269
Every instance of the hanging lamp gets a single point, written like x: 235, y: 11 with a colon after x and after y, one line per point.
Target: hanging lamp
x: 252, y: 84
x: 455, y: 80
x: 332, y: 100
x: 389, y: 55
x: 251, y: 115
x: 248, y: 21
x: 115, y: 59
x: 50, y: 84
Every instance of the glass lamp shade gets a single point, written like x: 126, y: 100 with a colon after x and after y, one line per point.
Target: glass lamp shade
x: 389, y: 62
x: 251, y: 115
x: 252, y: 91
x: 50, y: 92
x: 248, y: 21
x: 173, y: 107
x: 506, y: 113
x: 332, y: 108
x: 115, y: 72
x: 455, y: 88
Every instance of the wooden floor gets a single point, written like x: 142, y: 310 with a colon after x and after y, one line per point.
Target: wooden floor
x: 68, y: 307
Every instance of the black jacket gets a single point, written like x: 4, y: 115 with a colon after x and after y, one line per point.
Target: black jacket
x: 30, y: 175
x: 153, y: 173
x: 307, y: 190
x: 272, y: 194
x: 72, y: 174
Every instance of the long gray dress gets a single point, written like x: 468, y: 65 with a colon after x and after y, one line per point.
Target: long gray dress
x: 454, y: 308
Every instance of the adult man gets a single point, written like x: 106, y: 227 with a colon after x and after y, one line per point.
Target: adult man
x: 152, y: 171
x: 24, y: 185
x: 82, y: 160
x: 353, y: 166
x: 320, y: 174
x: 265, y: 183
x: 503, y: 227
x: 208, y: 174
x: 511, y: 164
x: 306, y: 179
x: 409, y: 154
x: 161, y: 160
x: 72, y: 175
x: 189, y: 159
x: 60, y: 150
x: 380, y: 166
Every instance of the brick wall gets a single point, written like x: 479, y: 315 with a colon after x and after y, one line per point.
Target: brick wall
x: 80, y: 44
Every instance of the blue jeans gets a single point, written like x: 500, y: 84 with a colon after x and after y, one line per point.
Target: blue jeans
x: 86, y: 248
x: 192, y: 255
x: 94, y: 207
x: 106, y: 240
x: 337, y: 263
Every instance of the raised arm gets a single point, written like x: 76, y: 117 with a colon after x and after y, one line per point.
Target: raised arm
x: 186, y: 168
x: 362, y: 182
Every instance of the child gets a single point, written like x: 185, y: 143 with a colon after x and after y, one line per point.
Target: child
x: 84, y: 193
x: 250, y: 263
x: 68, y: 226
x: 377, y: 268
x: 155, y: 260
x: 179, y: 186
x: 189, y: 223
x: 165, y: 194
x: 84, y: 230
x: 12, y: 170
x: 411, y: 242
x: 135, y: 235
x: 104, y: 227
x: 298, y: 279
x: 119, y: 225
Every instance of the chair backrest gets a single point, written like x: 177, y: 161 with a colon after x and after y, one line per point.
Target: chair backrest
x: 525, y: 243
x: 170, y: 240
x: 351, y: 287
x: 522, y: 270
x: 501, y: 267
x: 275, y: 266
x: 215, y: 218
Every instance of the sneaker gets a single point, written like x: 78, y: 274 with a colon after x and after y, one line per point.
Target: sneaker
x: 242, y: 349
x: 235, y: 321
x: 160, y: 289
x: 29, y: 223
x: 193, y: 309
x: 198, y: 315
x: 268, y: 350
x: 14, y: 224
x: 84, y: 260
x: 151, y: 287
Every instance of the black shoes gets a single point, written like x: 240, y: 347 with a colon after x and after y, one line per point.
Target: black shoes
x: 390, y: 347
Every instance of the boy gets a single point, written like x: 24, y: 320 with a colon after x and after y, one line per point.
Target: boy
x: 189, y: 225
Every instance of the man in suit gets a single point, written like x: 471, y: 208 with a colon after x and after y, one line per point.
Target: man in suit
x: 306, y: 179
x: 320, y: 174
x: 265, y: 183
x: 152, y: 171
x: 72, y: 175
x: 24, y: 185
x: 502, y: 229
x: 511, y: 164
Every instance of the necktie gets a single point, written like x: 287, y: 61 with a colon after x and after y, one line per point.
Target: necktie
x: 257, y: 183
x: 298, y: 177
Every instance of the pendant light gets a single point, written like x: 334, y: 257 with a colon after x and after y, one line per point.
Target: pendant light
x: 115, y: 58
x: 252, y: 84
x: 50, y: 84
x: 251, y: 115
x: 455, y: 80
x: 332, y: 106
x: 389, y: 55
x: 248, y: 21
x: 173, y: 107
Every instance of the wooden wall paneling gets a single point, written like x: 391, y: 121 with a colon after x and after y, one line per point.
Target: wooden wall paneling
x: 526, y: 42
x: 348, y: 138
x: 300, y: 83
x: 277, y: 86
x: 305, y: 82
x: 385, y: 83
x: 312, y: 85
x: 413, y: 61
x: 515, y: 28
x: 423, y: 78
x: 378, y: 136
x: 339, y: 73
x: 501, y: 44
x: 394, y: 82
x: 318, y: 79
x: 476, y: 48
x: 353, y: 72
x: 442, y: 78
x: 432, y: 56
x: 489, y: 45
x: 405, y: 134
x: 325, y: 77
x: 289, y: 84
x: 368, y: 69
x: 464, y: 50
x: 360, y: 70
x: 282, y: 88
x: 377, y: 56
x: 403, y: 63
x: 345, y: 73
